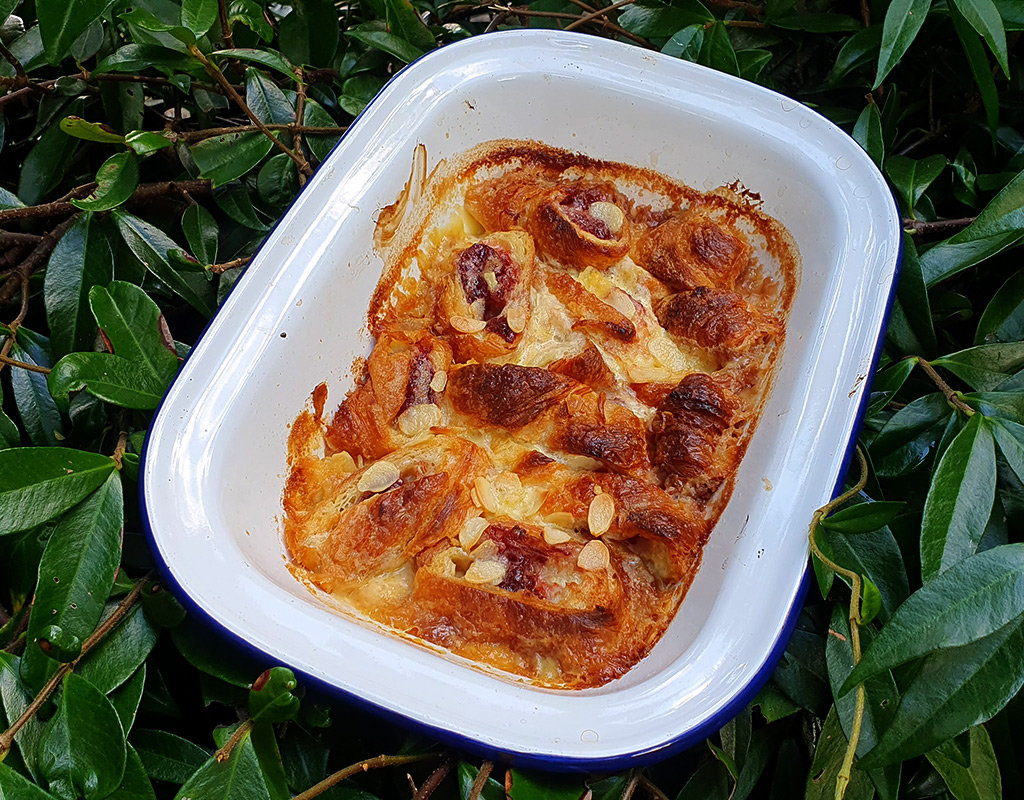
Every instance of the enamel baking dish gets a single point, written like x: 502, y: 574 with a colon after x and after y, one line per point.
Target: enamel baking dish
x: 214, y: 466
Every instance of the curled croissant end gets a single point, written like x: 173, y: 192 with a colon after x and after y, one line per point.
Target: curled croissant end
x: 692, y: 250
x: 486, y: 303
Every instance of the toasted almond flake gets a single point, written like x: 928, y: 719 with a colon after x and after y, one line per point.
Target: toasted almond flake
x: 516, y: 319
x: 478, y: 307
x: 593, y: 556
x: 561, y: 518
x: 508, y: 482
x: 485, y: 491
x: 378, y: 476
x: 475, y: 498
x: 491, y: 280
x: 345, y: 460
x: 471, y: 532
x: 486, y: 572
x: 419, y: 419
x: 621, y: 302
x: 610, y: 214
x: 555, y: 535
x: 649, y: 375
x: 600, y: 514
x: 467, y: 324
x: 439, y: 381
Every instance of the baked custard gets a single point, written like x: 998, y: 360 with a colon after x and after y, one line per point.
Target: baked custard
x: 570, y: 357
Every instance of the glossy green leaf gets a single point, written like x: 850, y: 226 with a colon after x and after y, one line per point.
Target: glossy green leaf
x: 404, y: 21
x: 868, y: 133
x: 135, y: 328
x: 115, y: 659
x: 224, y: 158
x: 201, y: 233
x: 1003, y: 318
x: 14, y: 786
x: 234, y: 201
x: 653, y: 19
x: 266, y: 100
x: 818, y: 23
x: 357, y: 92
x: 875, y: 555
x: 40, y: 483
x: 310, y: 33
x: 372, y: 36
x: 168, y: 757
x: 126, y: 698
x: 83, y: 749
x: 61, y: 22
x: 912, y: 177
x: 82, y: 259
x: 268, y: 754
x: 45, y: 165
x: 711, y: 781
x: 8, y: 199
x: 271, y: 698
x: 9, y: 434
x: 142, y: 20
x: 266, y: 58
x: 858, y: 51
x: 888, y: 382
x: 978, y: 61
x: 911, y: 329
x: 116, y: 180
x: 132, y: 58
x: 319, y: 144
x: 752, y: 63
x: 541, y: 786
x: 150, y: 245
x: 986, y: 366
x: 984, y: 18
x: 606, y: 789
x: 36, y: 408
x: 277, y: 181
x: 199, y: 15
x: 16, y: 699
x: 718, y: 51
x: 237, y: 778
x: 146, y: 142
x: 907, y: 439
x: 979, y: 778
x: 112, y: 378
x: 959, y: 500
x: 250, y: 14
x: 1006, y: 405
x: 953, y: 690
x: 90, y: 131
x: 863, y: 517
x: 492, y: 790
x: 972, y: 599
x: 903, y: 21
x: 828, y: 758
x: 193, y: 640
x: 134, y: 784
x: 78, y: 567
x: 1000, y: 224
x: 686, y: 43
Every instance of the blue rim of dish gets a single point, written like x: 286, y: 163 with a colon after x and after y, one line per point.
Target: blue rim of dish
x: 553, y: 763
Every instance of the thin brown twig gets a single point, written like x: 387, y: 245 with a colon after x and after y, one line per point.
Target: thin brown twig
x: 13, y: 362
x: 627, y: 793
x: 225, y: 25
x: 355, y: 769
x: 10, y: 238
x: 865, y: 13
x: 300, y: 110
x: 35, y: 259
x: 145, y: 192
x: 217, y: 75
x: 606, y: 23
x: 13, y: 60
x: 7, y: 737
x: 952, y: 396
x: 32, y: 88
x: 750, y: 8
x: 480, y: 781
x: 939, y: 227
x: 599, y: 13
x: 433, y: 780
x: 150, y: 80
x: 243, y: 730
x: 209, y: 133
x: 217, y: 269
x: 652, y: 788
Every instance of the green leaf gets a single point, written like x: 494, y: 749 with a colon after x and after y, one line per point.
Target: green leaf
x: 277, y: 181
x: 1000, y: 224
x: 115, y: 659
x: 133, y: 58
x: 146, y: 142
x: 718, y: 52
x: 90, y: 131
x: 250, y: 14
x: 859, y: 50
x: 14, y: 786
x: 126, y: 698
x: 139, y: 18
x: 150, y: 246
x: 1010, y: 438
x: 984, y: 367
x: 1008, y: 405
x: 606, y: 789
x: 111, y: 378
x: 369, y: 34
x: 135, y: 328
x: 38, y: 412
x: 871, y: 600
x: 906, y: 440
x: 959, y: 500
x: 818, y: 23
x: 167, y: 757
x: 310, y: 33
x: 984, y: 18
x: 116, y: 180
x: 979, y: 778
x: 40, y: 483
x: 224, y: 158
x: 78, y: 567
x: 134, y: 785
x: 234, y: 201
x: 201, y: 233
x: 81, y: 260
x: 83, y: 750
x: 198, y: 15
x: 972, y: 599
x: 467, y: 776
x: 267, y: 58
x: 47, y: 161
x: 903, y: 20
x: 319, y: 144
x: 953, y: 690
x: 237, y: 778
x: 888, y: 382
x: 752, y: 62
x: 912, y: 177
x: 9, y: 434
x: 266, y: 101
x: 541, y: 786
x: 271, y: 698
x: 357, y: 92
x: 685, y: 44
x: 1003, y: 318
x: 711, y: 781
x: 863, y: 517
x: 875, y: 555
x: 828, y: 758
x: 61, y: 22
x: 911, y: 329
x: 16, y: 699
x: 193, y: 642
x: 264, y: 742
x: 653, y: 19
x: 978, y: 62
x: 404, y: 21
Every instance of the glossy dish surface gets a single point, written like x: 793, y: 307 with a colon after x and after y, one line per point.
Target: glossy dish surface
x: 215, y: 458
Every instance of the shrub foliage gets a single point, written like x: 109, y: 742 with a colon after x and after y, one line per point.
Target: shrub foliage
x: 148, y: 146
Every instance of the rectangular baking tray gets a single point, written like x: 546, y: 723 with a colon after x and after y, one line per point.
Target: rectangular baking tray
x: 214, y: 463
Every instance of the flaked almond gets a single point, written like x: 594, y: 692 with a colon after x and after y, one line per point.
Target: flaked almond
x: 594, y: 556
x: 345, y: 461
x: 379, y: 476
x: 600, y: 514
x: 621, y: 302
x: 561, y: 518
x: 554, y: 535
x: 487, y: 572
x: 467, y: 324
x: 508, y: 482
x: 610, y: 214
x: 478, y: 307
x: 663, y: 350
x: 419, y: 419
x: 471, y: 532
x: 485, y: 493
x: 491, y: 280
x: 439, y: 381
x: 516, y: 319
x: 475, y: 497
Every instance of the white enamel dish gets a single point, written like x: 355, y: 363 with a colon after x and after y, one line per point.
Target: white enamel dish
x: 214, y: 465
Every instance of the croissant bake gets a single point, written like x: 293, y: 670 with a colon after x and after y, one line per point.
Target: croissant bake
x: 569, y: 360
